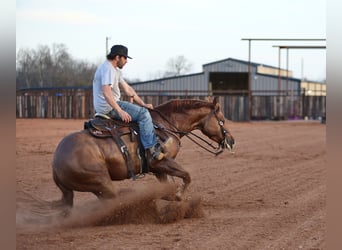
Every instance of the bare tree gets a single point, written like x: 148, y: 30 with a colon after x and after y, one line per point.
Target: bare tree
x: 43, y: 62
x: 63, y: 65
x: 24, y: 68
x: 45, y: 67
x: 177, y: 66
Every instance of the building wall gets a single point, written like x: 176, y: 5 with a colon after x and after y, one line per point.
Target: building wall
x: 269, y: 85
x: 314, y: 88
x: 190, y: 83
x: 273, y: 71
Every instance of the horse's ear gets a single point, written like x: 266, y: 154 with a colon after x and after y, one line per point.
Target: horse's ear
x: 216, y: 103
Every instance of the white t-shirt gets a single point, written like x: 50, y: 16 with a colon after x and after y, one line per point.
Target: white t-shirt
x: 106, y: 74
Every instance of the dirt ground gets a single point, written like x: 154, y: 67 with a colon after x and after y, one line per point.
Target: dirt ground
x: 269, y: 194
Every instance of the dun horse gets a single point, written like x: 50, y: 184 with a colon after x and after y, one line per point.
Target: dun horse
x: 85, y: 163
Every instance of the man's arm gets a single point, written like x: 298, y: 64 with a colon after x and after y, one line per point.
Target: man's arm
x: 130, y: 92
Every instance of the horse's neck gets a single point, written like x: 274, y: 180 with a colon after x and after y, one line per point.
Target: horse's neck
x: 185, y: 115
x: 186, y: 122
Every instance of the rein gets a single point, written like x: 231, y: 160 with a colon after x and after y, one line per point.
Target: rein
x: 216, y: 153
x: 177, y: 131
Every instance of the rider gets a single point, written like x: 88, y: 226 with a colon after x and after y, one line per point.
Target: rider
x: 107, y: 83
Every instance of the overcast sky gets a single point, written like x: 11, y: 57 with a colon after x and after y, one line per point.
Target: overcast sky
x: 154, y: 31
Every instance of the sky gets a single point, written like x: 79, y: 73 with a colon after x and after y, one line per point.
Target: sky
x: 154, y: 31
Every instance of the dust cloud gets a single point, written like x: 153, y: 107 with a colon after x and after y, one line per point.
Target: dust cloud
x: 148, y: 203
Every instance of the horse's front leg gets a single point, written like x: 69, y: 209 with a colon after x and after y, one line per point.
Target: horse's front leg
x: 169, y: 166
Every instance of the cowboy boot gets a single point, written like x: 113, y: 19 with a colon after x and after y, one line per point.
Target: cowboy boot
x: 155, y: 154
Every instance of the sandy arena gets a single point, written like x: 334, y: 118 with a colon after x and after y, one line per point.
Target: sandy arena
x: 269, y: 194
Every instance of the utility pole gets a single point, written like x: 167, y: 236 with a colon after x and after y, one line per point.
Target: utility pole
x: 107, y: 38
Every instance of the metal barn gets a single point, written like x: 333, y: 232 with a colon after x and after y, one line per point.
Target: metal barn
x: 226, y: 76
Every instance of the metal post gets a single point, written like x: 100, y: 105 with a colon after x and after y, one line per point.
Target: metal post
x: 287, y: 84
x: 279, y: 85
x: 287, y: 69
x: 279, y: 80
x: 288, y: 47
x: 249, y: 82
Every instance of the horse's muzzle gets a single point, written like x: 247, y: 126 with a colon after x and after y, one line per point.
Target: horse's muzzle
x: 228, y: 143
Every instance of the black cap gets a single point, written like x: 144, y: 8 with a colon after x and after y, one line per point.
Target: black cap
x: 119, y: 50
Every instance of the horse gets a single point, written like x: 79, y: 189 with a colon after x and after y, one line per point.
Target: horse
x: 85, y: 163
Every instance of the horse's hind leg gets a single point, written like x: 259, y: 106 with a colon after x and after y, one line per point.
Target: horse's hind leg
x: 67, y: 195
x: 105, y: 191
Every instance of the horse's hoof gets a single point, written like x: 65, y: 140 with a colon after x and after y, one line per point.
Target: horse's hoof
x: 168, y: 211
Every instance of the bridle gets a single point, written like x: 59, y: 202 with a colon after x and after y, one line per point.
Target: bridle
x: 216, y: 150
x: 224, y: 142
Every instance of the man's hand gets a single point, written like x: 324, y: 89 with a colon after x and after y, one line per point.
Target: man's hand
x: 149, y: 106
x: 125, y: 116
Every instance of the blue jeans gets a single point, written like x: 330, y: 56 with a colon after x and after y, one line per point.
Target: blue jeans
x: 143, y: 118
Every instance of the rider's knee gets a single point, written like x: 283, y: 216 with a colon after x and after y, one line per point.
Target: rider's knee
x: 145, y: 114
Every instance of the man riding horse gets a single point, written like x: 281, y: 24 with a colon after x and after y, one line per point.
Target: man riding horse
x: 86, y: 163
x: 107, y: 83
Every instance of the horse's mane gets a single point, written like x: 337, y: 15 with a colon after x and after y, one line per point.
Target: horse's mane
x: 183, y: 105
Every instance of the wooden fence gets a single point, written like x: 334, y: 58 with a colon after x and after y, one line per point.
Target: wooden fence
x: 78, y: 104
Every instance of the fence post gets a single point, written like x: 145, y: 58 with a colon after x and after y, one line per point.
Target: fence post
x: 304, y: 111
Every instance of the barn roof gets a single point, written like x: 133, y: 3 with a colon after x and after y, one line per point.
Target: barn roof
x: 239, y: 61
x: 168, y: 78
